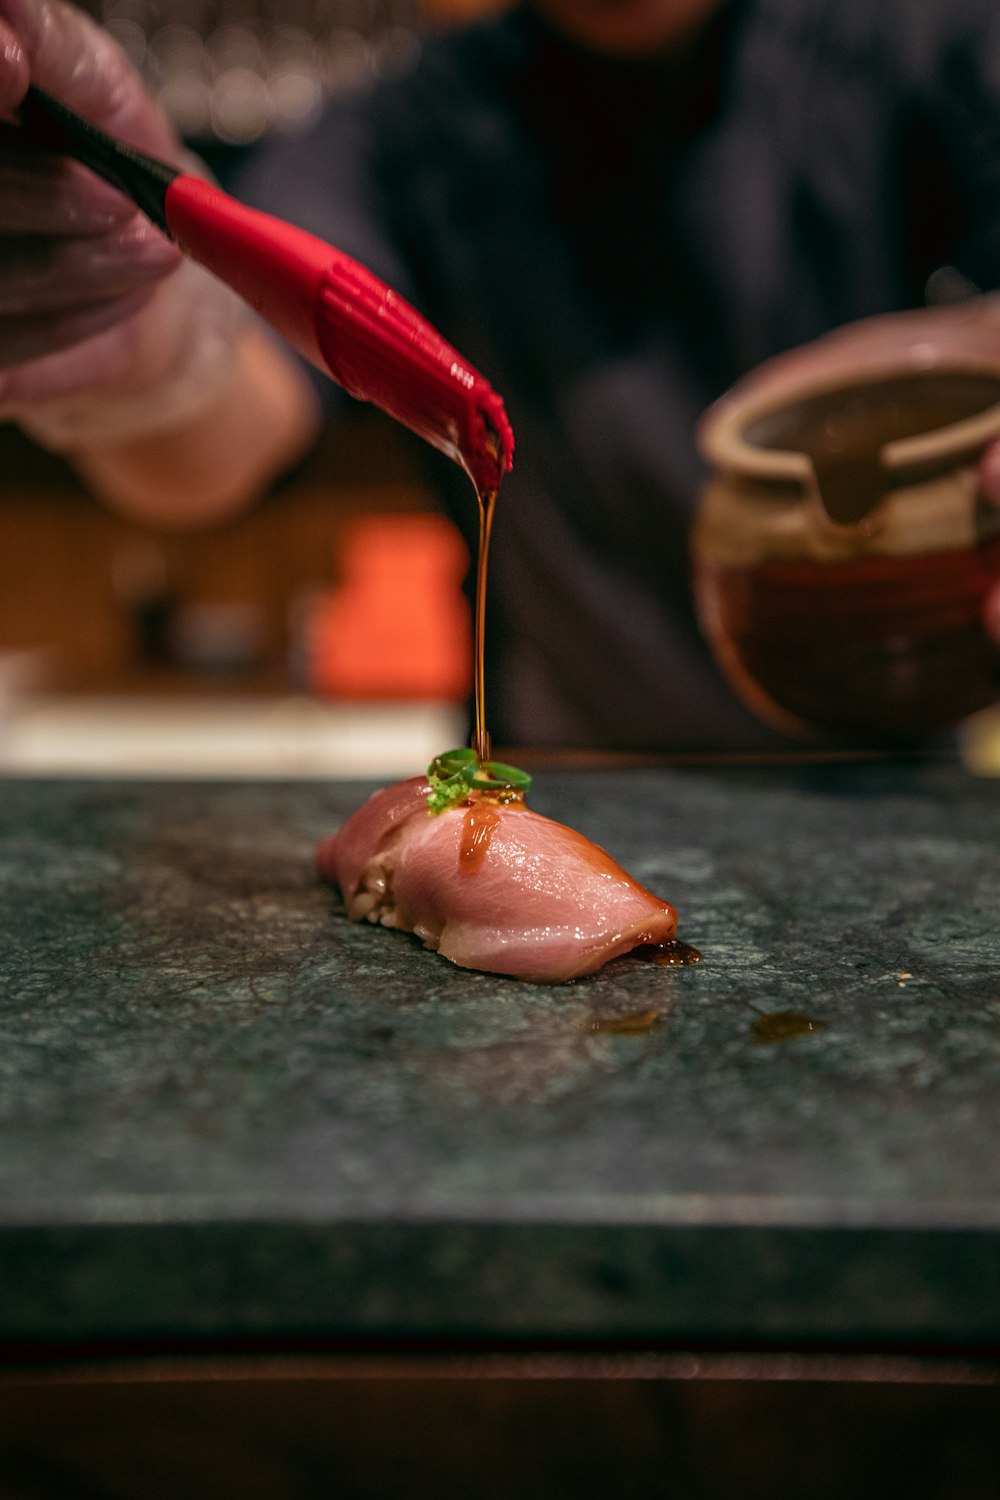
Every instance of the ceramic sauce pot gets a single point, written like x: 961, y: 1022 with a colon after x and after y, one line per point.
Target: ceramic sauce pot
x: 842, y: 552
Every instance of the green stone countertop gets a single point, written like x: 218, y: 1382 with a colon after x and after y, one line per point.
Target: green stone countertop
x: 228, y: 1114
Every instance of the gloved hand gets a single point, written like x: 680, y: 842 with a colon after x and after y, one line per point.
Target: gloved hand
x: 104, y: 333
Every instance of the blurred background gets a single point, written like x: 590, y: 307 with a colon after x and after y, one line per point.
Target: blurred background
x: 325, y: 631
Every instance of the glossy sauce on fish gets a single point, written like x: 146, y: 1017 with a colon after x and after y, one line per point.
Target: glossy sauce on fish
x: 480, y: 822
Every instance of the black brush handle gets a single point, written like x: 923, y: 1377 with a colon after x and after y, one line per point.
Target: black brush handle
x: 141, y: 178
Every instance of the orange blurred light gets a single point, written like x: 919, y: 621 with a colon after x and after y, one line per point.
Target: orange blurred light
x: 397, y: 625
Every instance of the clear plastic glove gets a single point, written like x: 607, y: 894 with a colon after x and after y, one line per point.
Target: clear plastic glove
x: 104, y: 334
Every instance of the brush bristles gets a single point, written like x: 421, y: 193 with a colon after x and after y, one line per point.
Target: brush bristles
x: 381, y: 350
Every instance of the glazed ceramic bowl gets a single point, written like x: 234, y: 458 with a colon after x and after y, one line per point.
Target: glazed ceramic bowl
x: 842, y: 552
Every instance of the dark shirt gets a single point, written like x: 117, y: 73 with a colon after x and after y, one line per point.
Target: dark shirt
x: 613, y: 245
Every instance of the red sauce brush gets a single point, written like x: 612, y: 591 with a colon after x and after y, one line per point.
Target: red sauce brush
x: 329, y: 307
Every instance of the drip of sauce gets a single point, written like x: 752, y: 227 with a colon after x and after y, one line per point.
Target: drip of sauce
x: 480, y: 738
x: 845, y: 433
x: 633, y: 1023
x: 675, y: 954
x: 480, y: 823
x: 481, y: 817
x: 783, y: 1026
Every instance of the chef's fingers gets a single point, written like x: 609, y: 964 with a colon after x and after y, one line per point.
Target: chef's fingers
x: 98, y: 339
x: 55, y: 335
x: 45, y: 194
x: 89, y: 262
x: 14, y: 69
x: 39, y: 276
x: 989, y: 474
x: 989, y: 484
x: 991, y: 614
x: 70, y: 56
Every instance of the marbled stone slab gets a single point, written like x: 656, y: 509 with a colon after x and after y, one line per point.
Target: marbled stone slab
x: 227, y: 1113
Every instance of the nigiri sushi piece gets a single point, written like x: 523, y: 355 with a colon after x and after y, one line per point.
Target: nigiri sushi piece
x: 488, y: 883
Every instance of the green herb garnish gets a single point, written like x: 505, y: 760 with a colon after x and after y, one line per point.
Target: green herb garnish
x: 456, y: 773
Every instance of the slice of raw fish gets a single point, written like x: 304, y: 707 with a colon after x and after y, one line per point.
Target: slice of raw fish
x: 490, y: 886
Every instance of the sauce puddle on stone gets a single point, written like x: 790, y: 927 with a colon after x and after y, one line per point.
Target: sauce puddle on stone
x: 633, y: 1023
x: 783, y: 1026
x: 675, y: 954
